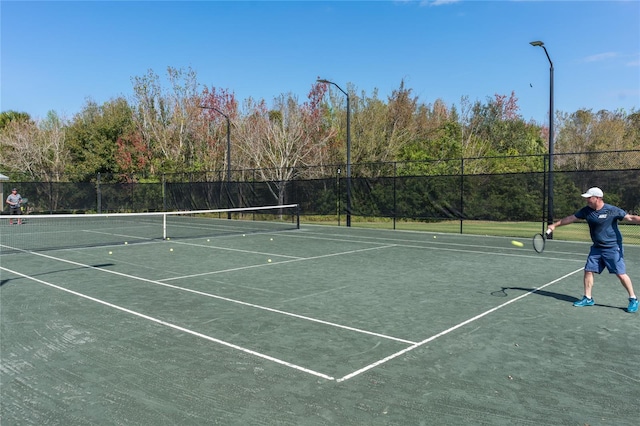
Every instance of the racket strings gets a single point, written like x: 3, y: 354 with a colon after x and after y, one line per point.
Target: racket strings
x: 538, y: 243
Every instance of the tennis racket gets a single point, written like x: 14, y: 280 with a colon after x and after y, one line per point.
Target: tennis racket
x: 540, y: 240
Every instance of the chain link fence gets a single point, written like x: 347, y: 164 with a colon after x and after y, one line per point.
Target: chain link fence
x: 458, y: 189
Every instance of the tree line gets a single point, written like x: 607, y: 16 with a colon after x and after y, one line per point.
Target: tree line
x: 182, y: 128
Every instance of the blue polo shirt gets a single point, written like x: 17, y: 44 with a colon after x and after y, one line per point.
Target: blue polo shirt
x: 603, y: 224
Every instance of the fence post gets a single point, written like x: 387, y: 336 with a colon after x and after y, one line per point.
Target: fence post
x: 51, y: 196
x: 164, y: 192
x: 544, y: 191
x: 395, y: 204
x: 98, y: 194
x: 338, y: 194
x: 461, y: 193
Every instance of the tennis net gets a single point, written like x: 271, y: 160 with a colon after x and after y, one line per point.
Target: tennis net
x: 50, y: 232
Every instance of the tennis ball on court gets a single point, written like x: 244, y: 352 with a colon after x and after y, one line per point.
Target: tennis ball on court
x: 271, y: 239
x: 517, y: 243
x: 243, y: 235
x: 168, y: 238
x: 170, y: 249
x: 110, y: 252
x: 269, y: 260
x: 208, y: 240
x: 125, y: 243
x: 435, y: 236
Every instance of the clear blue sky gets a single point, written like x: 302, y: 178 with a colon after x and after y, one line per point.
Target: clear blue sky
x: 57, y: 54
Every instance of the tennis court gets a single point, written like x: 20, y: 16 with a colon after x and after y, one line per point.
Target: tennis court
x: 311, y: 325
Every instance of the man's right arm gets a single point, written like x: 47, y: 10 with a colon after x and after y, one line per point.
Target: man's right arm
x: 564, y: 221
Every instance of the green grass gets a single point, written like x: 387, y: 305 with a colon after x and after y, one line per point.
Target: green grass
x: 573, y: 232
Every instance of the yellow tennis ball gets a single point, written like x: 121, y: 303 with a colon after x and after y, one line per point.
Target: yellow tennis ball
x: 269, y: 260
x: 125, y: 243
x: 110, y: 252
x: 517, y: 243
x: 170, y: 249
x: 435, y: 236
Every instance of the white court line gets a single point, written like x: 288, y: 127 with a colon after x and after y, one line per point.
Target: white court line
x: 262, y: 265
x: 413, y: 346
x: 176, y: 327
x: 184, y: 243
x: 226, y: 299
x: 438, y: 246
x: 449, y: 330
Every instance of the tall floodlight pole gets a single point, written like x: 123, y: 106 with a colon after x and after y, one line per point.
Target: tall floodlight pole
x: 348, y: 148
x: 551, y: 137
x: 228, y: 155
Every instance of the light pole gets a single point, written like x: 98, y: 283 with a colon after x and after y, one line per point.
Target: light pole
x: 551, y: 136
x: 348, y: 148
x: 228, y: 155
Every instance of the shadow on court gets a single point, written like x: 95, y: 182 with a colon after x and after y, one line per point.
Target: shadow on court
x: 558, y: 296
x: 99, y: 265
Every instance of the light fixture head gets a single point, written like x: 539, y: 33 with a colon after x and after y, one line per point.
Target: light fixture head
x: 322, y: 80
x: 536, y: 43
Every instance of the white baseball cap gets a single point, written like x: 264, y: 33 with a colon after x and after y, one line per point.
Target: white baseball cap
x: 593, y: 192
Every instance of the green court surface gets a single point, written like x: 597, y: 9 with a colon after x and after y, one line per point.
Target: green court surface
x: 321, y: 325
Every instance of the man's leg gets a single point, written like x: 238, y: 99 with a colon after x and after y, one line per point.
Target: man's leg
x: 588, y: 283
x: 626, y: 283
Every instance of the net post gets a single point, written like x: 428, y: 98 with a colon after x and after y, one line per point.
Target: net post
x: 297, y: 212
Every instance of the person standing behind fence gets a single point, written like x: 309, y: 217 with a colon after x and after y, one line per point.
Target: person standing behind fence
x: 14, y: 200
x: 607, y: 250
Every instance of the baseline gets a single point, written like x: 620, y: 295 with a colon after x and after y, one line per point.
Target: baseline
x: 449, y: 330
x: 226, y: 299
x: 175, y: 327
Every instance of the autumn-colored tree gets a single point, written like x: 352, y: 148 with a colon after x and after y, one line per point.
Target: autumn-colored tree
x: 55, y: 158
x: 473, y: 145
x: 277, y: 141
x: 166, y: 120
x: 35, y: 149
x: 18, y: 139
x: 132, y: 155
x: 589, y: 132
x: 166, y: 129
x: 210, y: 133
x: 333, y: 110
x: 92, y: 138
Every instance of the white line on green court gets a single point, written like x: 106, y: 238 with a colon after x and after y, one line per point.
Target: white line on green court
x: 262, y: 265
x: 413, y: 344
x: 233, y: 249
x: 176, y: 327
x: 449, y: 330
x: 439, y: 246
x: 227, y: 299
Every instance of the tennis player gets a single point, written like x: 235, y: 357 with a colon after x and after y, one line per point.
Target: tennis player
x: 14, y: 200
x: 607, y: 250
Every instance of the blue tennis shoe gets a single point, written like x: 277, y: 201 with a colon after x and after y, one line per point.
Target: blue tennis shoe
x: 586, y: 302
x: 633, y: 305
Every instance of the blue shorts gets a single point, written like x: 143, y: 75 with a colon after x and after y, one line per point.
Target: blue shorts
x: 610, y: 257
